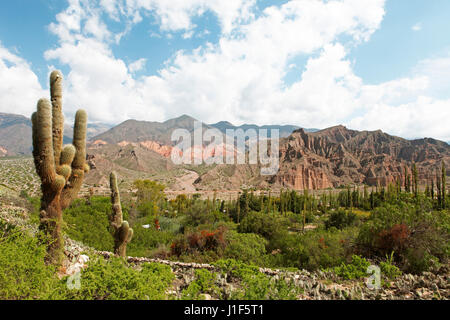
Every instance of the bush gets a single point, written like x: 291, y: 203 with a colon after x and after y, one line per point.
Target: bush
x: 145, y: 242
x: 269, y: 226
x: 199, y: 241
x: 204, y: 283
x: 24, y: 274
x: 388, y: 269
x: 313, y: 250
x: 357, y: 269
x: 89, y: 223
x: 256, y: 285
x: 116, y: 280
x: 419, y: 237
x: 246, y: 247
x: 340, y: 219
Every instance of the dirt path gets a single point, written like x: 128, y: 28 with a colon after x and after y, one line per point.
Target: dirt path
x: 185, y: 183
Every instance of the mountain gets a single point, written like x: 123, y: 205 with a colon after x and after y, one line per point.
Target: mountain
x: 337, y: 156
x: 144, y: 131
x: 15, y: 134
x: 284, y: 130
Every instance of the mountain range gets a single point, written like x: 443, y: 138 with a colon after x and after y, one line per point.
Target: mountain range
x: 309, y: 158
x: 15, y: 134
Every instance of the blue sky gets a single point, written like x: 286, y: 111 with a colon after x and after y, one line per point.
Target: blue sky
x: 376, y: 65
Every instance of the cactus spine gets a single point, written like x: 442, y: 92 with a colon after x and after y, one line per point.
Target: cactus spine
x: 122, y: 231
x: 61, y: 169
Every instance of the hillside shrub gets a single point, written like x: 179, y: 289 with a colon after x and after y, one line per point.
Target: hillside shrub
x: 420, y: 237
x: 116, y: 280
x: 246, y: 247
x: 89, y: 223
x: 24, y: 274
x: 340, y: 219
x: 199, y: 241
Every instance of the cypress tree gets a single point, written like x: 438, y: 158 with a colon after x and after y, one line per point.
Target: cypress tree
x: 415, y: 180
x: 443, y: 185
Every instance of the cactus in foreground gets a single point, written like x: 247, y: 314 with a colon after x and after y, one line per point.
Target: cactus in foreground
x: 122, y: 231
x: 61, y: 169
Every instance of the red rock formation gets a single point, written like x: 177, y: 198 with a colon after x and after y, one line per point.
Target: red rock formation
x: 339, y: 156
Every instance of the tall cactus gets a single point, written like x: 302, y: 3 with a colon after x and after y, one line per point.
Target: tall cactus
x: 61, y: 169
x: 122, y: 231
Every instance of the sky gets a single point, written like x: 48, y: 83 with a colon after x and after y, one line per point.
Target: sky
x: 365, y: 64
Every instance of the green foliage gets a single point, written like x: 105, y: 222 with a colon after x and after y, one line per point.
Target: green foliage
x: 204, y: 283
x: 256, y: 285
x: 340, y: 219
x: 267, y: 225
x: 357, y: 269
x: 313, y: 250
x: 388, y: 269
x: 24, y: 274
x: 419, y: 236
x: 146, y: 241
x: 149, y: 195
x: 89, y: 223
x: 246, y: 247
x: 116, y: 280
x: 202, y: 213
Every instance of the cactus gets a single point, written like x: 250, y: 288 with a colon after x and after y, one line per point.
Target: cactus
x: 122, y: 231
x: 61, y: 169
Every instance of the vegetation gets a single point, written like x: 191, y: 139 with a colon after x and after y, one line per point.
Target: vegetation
x: 400, y: 228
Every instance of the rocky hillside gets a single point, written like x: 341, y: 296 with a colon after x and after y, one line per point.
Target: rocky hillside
x: 284, y: 130
x: 337, y: 156
x: 146, y: 131
x: 15, y: 134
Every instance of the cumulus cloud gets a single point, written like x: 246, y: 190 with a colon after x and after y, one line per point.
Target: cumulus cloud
x: 240, y: 78
x: 417, y: 27
x: 19, y: 86
x: 137, y: 65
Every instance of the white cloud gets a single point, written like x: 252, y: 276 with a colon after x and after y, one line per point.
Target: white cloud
x: 19, y: 86
x: 137, y: 65
x: 240, y: 78
x: 417, y: 27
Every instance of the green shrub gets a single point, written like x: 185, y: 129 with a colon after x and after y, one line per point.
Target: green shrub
x: 24, y: 274
x: 388, y: 269
x: 204, y: 283
x: 313, y: 250
x: 357, y: 269
x: 246, y: 247
x: 116, y: 280
x: 256, y: 285
x: 89, y: 223
x: 420, y: 237
x: 269, y: 226
x: 340, y: 219
x: 145, y: 241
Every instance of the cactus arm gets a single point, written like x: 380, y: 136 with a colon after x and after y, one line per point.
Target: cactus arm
x: 117, y: 216
x: 75, y: 180
x: 57, y: 115
x: 43, y: 143
x: 122, y: 231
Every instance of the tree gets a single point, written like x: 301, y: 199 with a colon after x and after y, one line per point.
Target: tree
x: 149, y: 195
x: 443, y: 178
x: 415, y: 180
